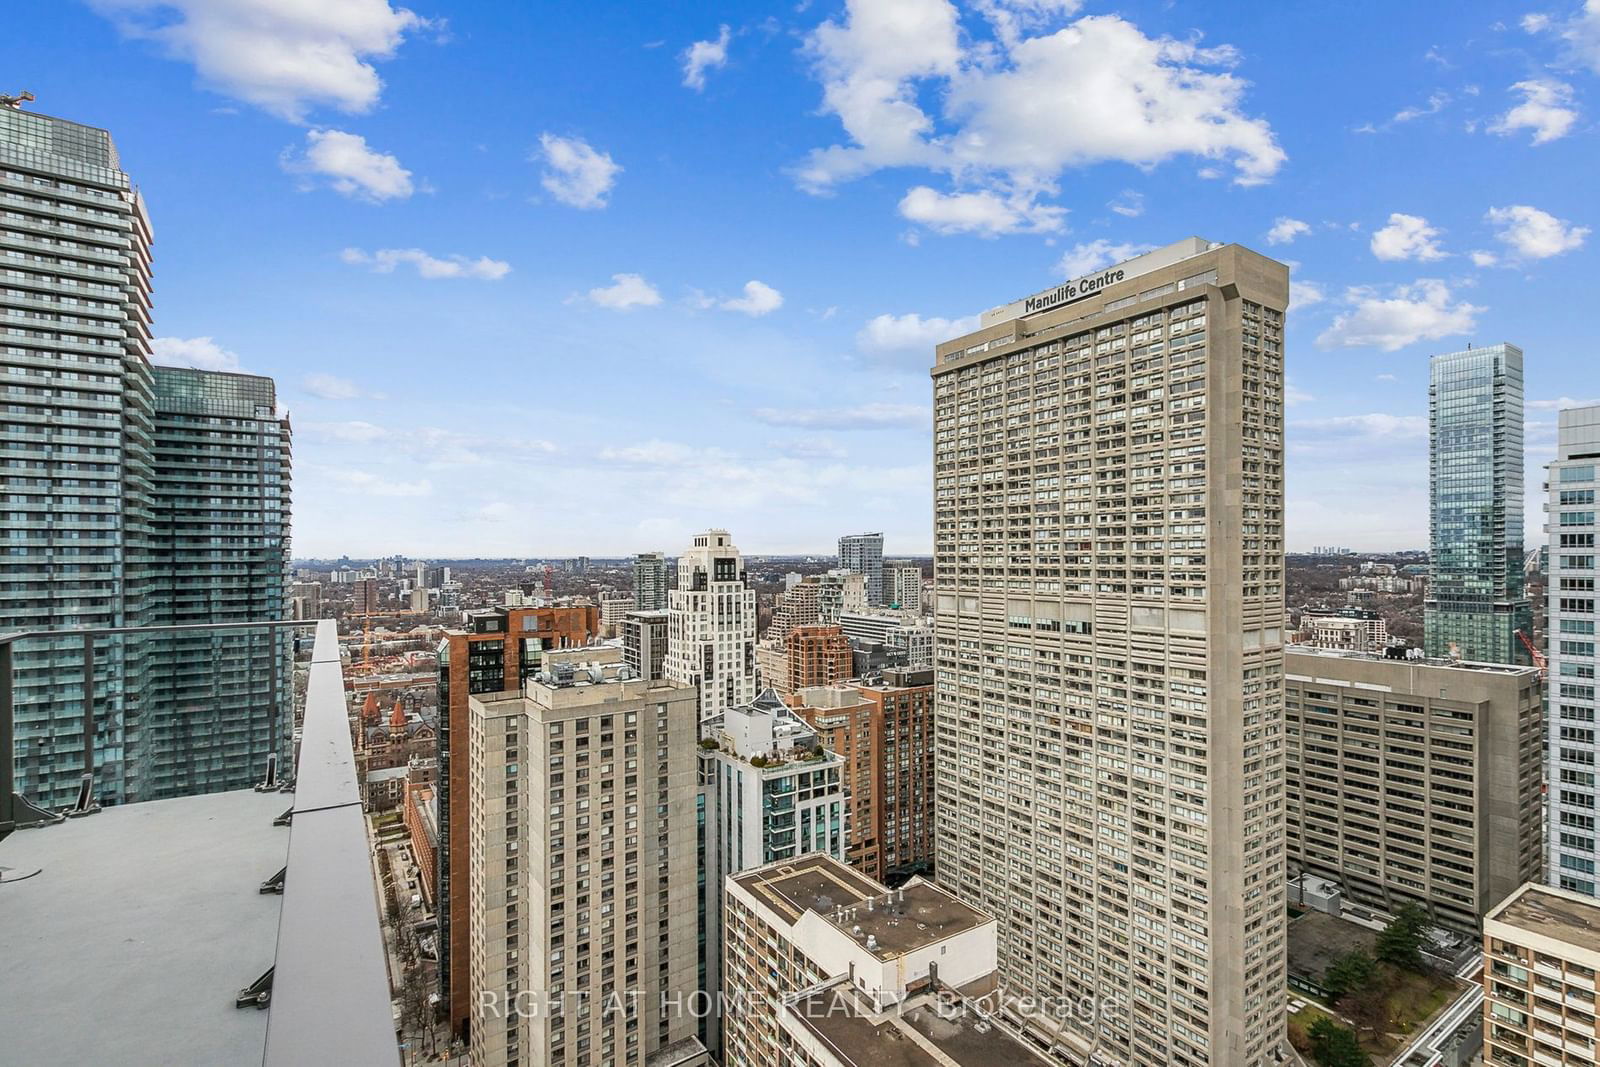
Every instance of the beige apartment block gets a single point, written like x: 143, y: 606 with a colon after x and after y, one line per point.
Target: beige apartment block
x: 1108, y: 572
x: 583, y: 938
x: 825, y: 967
x: 1414, y: 780
x: 1541, y: 952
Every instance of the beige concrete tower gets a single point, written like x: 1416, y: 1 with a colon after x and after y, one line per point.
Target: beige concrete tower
x: 1108, y: 510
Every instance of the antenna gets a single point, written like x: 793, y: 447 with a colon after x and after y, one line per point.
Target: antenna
x: 15, y: 102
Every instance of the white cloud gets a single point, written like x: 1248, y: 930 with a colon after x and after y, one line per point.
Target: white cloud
x: 1092, y: 255
x: 576, y: 174
x: 703, y: 56
x: 1129, y: 205
x: 1305, y: 294
x: 1534, y: 234
x: 1483, y: 258
x: 1581, y: 33
x: 355, y: 432
x: 1285, y: 229
x: 985, y: 213
x: 1407, y: 237
x: 910, y: 332
x: 759, y: 298
x: 629, y: 291
x: 371, y: 484
x: 1436, y: 103
x: 1561, y: 403
x: 350, y: 166
x: 330, y: 387
x: 1421, y: 311
x: 1379, y: 426
x: 1544, y: 109
x: 1293, y: 397
x: 496, y: 511
x: 875, y: 416
x: 385, y: 260
x: 283, y: 56
x: 202, y: 353
x: 1386, y: 378
x: 811, y: 447
x: 1012, y: 112
x: 653, y: 453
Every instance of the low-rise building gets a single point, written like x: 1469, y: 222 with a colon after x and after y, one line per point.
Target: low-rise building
x: 825, y: 967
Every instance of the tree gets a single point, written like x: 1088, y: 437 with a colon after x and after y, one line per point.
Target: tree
x: 1348, y: 973
x: 1333, y: 1045
x: 1400, y: 943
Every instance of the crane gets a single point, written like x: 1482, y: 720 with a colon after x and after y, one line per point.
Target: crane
x: 1533, y: 652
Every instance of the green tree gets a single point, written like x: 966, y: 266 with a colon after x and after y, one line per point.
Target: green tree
x: 1400, y: 943
x: 1333, y: 1045
x: 1347, y: 973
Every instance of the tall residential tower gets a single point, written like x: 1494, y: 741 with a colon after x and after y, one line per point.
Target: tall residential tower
x: 863, y: 554
x: 1108, y: 554
x: 650, y: 582
x: 711, y: 626
x: 1570, y: 696
x: 1477, y: 599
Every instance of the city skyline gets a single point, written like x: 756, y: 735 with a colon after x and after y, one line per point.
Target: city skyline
x: 367, y: 185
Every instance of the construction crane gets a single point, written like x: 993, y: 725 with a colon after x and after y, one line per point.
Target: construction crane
x: 1533, y: 653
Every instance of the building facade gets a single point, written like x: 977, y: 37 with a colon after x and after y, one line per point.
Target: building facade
x: 1477, y: 596
x: 883, y: 733
x: 1414, y: 780
x: 139, y: 496
x: 582, y: 926
x: 498, y: 653
x: 650, y: 582
x: 644, y: 643
x: 711, y: 625
x: 1570, y: 644
x: 1108, y: 567
x: 839, y: 591
x: 863, y: 554
x: 815, y: 655
x: 1541, y: 954
x: 768, y: 791
x: 902, y: 587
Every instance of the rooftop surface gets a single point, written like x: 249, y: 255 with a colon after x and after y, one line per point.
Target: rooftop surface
x: 140, y: 928
x: 900, y: 921
x: 926, y: 1030
x: 1378, y: 657
x: 1541, y: 910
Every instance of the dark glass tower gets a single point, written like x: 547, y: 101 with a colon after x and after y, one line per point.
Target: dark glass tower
x: 1477, y: 598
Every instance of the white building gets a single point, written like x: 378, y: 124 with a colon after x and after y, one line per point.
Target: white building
x: 827, y: 967
x: 902, y: 587
x: 613, y: 608
x: 769, y: 792
x: 1570, y: 694
x: 839, y: 591
x: 650, y: 582
x: 711, y: 625
x: 897, y: 632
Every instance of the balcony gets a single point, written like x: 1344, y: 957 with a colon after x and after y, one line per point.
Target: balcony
x: 229, y: 927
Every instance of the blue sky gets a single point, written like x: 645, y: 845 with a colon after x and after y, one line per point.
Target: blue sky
x: 558, y: 278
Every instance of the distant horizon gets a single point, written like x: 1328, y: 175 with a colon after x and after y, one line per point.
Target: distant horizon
x: 593, y: 557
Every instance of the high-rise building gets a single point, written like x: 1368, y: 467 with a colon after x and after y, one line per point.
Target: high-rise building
x: 499, y: 651
x: 1541, y: 952
x: 1108, y: 566
x: 829, y: 968
x: 1572, y: 660
x: 217, y: 702
x: 644, y: 643
x: 839, y: 591
x: 711, y: 636
x: 1477, y: 596
x: 367, y: 601
x: 105, y: 530
x: 902, y: 587
x: 650, y: 582
x: 582, y: 820
x: 613, y: 607
x: 1413, y: 780
x: 815, y: 655
x: 884, y: 735
x: 863, y: 554
x: 900, y: 633
x: 768, y: 791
